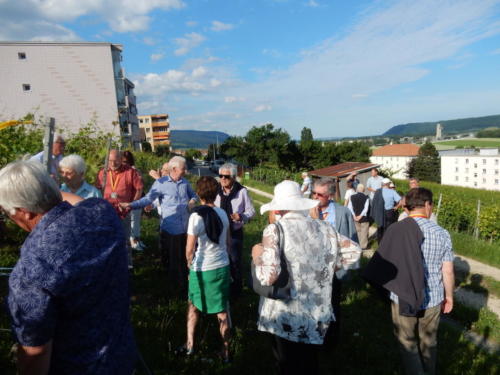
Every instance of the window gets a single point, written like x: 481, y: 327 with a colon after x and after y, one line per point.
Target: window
x: 21, y: 55
x: 456, y: 178
x: 496, y: 172
x: 148, y: 130
x: 466, y: 179
x: 475, y: 183
x: 484, y: 180
x: 466, y: 161
x: 26, y: 87
x: 456, y: 169
x: 475, y: 174
x: 484, y: 161
x: 496, y: 161
x: 475, y: 165
x: 484, y: 171
x: 141, y: 120
x: 496, y: 182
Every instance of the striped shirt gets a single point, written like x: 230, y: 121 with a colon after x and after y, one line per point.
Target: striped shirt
x: 436, y: 249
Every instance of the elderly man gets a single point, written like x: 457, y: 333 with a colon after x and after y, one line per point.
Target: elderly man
x: 123, y: 184
x: 384, y: 208
x: 233, y: 198
x: 57, y: 154
x: 176, y: 197
x: 68, y: 293
x: 72, y: 170
x: 415, y: 263
x: 374, y: 182
x: 359, y: 204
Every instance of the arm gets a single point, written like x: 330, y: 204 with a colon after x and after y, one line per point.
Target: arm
x: 148, y: 199
x: 34, y: 360
x: 449, y: 284
x: 190, y: 248
x: 138, y: 185
x: 248, y: 210
x: 349, y: 252
x: 192, y: 196
x: 266, y: 256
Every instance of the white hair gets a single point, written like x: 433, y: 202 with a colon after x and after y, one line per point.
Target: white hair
x: 328, y: 182
x: 26, y: 184
x: 74, y: 162
x: 360, y: 188
x: 229, y: 167
x: 176, y: 162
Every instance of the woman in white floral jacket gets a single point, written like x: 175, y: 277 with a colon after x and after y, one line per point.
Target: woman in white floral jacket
x: 313, y: 251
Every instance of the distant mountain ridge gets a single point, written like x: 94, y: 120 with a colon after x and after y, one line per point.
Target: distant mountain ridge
x: 463, y: 125
x: 184, y: 139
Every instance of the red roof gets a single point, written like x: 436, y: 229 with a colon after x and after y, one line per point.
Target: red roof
x: 405, y: 149
x: 343, y: 169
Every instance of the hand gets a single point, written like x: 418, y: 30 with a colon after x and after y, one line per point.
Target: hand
x: 345, y: 243
x: 314, y: 212
x: 447, y: 305
x: 153, y: 173
x: 257, y: 251
x: 148, y: 208
x: 191, y: 204
x: 124, y: 205
x: 236, y: 217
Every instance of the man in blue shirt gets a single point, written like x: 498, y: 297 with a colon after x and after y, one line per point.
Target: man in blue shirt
x: 392, y: 201
x: 68, y: 293
x: 176, y: 198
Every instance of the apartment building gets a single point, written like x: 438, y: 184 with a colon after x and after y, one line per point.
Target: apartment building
x: 474, y: 169
x: 156, y: 129
x: 73, y: 82
x: 395, y: 157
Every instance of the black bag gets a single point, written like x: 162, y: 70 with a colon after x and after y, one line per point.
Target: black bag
x: 282, y: 286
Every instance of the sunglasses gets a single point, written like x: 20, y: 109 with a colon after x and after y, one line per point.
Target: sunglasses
x: 320, y: 195
x: 228, y: 176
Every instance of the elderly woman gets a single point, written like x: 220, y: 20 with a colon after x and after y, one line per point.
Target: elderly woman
x: 233, y: 198
x: 313, y: 250
x: 208, y: 261
x: 72, y: 169
x: 68, y: 292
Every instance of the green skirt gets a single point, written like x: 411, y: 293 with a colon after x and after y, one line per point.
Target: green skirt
x: 209, y: 290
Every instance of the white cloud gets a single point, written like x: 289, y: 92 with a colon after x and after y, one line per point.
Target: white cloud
x: 214, y: 82
x: 233, y: 99
x: 188, y: 42
x: 42, y: 20
x: 495, y: 52
x: 312, y: 4
x: 220, y: 26
x: 198, y: 72
x: 262, y: 108
x: 157, y: 56
x: 191, y: 23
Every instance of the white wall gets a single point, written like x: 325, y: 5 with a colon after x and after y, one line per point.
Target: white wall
x: 398, y: 164
x: 73, y: 83
x: 475, y: 171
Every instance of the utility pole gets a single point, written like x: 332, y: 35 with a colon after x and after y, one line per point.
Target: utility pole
x: 48, y: 140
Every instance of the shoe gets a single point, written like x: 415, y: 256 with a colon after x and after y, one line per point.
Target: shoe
x: 183, y: 351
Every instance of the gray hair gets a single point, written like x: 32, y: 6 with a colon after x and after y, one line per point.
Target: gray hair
x: 26, y: 184
x: 229, y: 167
x: 325, y: 181
x: 74, y: 162
x: 360, y: 188
x: 176, y: 162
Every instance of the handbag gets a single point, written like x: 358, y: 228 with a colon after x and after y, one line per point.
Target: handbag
x: 281, y: 289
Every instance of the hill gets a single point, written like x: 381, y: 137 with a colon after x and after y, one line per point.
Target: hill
x: 195, y: 138
x: 464, y: 125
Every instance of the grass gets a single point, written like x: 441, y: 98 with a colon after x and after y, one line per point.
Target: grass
x: 366, y: 342
x: 259, y: 185
x: 476, y: 142
x: 483, y: 251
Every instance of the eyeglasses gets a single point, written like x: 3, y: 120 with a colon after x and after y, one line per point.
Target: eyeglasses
x: 320, y: 195
x: 228, y: 176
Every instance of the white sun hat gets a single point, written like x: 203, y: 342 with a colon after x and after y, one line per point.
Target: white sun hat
x: 386, y: 181
x: 288, y: 197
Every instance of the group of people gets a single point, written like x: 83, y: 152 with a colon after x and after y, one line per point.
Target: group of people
x: 69, y: 296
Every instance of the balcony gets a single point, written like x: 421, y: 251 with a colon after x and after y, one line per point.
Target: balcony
x: 161, y: 135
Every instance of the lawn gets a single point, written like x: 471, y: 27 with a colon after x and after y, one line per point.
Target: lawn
x: 366, y: 342
x: 476, y: 142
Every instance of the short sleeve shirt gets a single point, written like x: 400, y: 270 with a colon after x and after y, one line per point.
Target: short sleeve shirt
x: 390, y: 198
x: 85, y: 191
x: 209, y: 255
x: 70, y: 286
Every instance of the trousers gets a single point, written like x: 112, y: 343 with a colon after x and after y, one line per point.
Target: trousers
x: 173, y: 258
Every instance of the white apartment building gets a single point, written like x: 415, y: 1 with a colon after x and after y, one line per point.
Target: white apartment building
x: 395, y: 157
x: 73, y: 82
x: 475, y: 169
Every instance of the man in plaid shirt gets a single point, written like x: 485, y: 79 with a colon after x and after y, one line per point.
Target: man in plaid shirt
x: 417, y: 336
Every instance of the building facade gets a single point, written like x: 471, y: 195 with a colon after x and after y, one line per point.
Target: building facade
x: 156, y: 130
x: 76, y: 83
x: 475, y: 169
x: 395, y: 158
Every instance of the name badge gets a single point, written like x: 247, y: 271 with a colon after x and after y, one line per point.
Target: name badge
x: 114, y: 195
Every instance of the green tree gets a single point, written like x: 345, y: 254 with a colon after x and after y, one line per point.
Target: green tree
x: 427, y: 165
x: 192, y: 154
x: 19, y: 140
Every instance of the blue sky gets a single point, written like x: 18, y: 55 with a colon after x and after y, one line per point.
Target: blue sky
x: 342, y: 68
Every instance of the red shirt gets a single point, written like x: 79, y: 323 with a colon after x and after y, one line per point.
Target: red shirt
x: 121, y: 186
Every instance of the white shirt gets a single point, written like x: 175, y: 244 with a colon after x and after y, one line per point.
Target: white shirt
x: 348, y: 194
x: 209, y: 255
x: 374, y: 183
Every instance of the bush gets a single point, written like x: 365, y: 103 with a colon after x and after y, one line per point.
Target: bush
x: 273, y: 176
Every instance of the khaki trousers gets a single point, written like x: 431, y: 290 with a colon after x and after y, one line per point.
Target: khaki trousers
x: 362, y: 229
x: 417, y: 339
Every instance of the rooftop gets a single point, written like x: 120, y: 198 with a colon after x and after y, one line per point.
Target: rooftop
x: 343, y: 169
x: 405, y: 149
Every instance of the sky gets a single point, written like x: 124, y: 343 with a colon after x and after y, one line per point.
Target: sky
x: 341, y: 68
